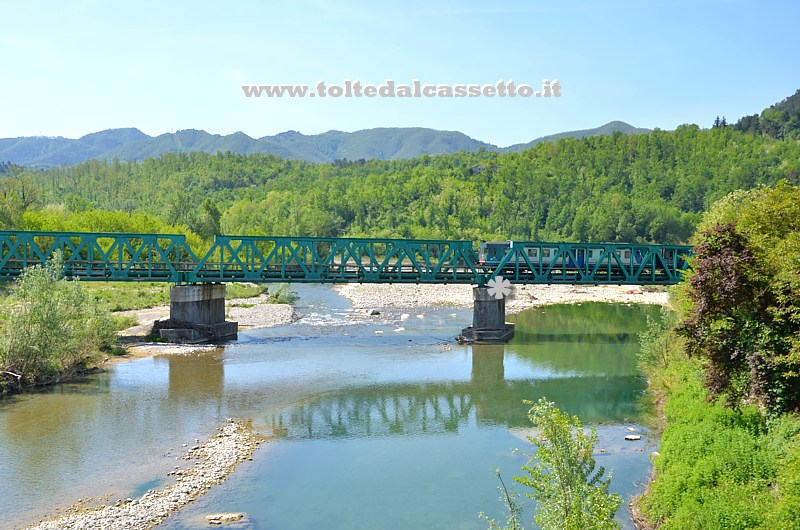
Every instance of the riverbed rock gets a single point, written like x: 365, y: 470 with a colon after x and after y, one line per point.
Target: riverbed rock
x: 633, y: 437
x: 231, y: 517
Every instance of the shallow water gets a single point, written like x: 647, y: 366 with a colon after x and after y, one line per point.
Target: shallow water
x: 395, y: 430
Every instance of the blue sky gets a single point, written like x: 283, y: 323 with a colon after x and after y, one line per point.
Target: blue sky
x: 71, y: 68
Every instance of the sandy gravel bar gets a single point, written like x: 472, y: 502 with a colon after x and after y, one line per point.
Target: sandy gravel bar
x: 255, y: 312
x: 215, y: 460
x: 365, y: 296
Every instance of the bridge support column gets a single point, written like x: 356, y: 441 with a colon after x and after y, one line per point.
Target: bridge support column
x: 488, y: 319
x: 197, y: 314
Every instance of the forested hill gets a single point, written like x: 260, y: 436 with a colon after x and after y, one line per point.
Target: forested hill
x: 389, y: 143
x: 641, y: 187
x: 608, y: 128
x: 781, y: 120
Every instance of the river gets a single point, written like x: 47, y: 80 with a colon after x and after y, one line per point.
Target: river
x: 376, y: 422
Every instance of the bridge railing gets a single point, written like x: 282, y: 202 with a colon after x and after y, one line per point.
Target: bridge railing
x: 99, y: 256
x: 336, y: 260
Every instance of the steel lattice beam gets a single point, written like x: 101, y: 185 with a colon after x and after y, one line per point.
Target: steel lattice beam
x: 168, y: 257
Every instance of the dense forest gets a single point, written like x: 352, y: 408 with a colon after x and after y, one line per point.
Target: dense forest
x: 649, y: 187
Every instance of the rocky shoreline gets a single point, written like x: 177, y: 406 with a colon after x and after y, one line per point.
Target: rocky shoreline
x: 214, y: 461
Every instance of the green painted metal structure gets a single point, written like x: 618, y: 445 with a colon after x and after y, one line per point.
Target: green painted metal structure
x: 586, y: 263
x: 169, y: 258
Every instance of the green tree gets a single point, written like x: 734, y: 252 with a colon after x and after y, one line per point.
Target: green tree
x: 207, y: 223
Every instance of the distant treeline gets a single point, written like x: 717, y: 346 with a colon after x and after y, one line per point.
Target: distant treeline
x: 631, y: 188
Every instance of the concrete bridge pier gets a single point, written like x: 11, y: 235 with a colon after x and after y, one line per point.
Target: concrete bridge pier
x: 488, y: 319
x: 197, y: 314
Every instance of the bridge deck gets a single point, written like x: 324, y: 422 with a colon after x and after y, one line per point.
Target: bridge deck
x: 168, y: 258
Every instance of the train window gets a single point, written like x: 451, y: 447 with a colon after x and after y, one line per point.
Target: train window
x: 546, y: 252
x: 591, y: 254
x: 627, y: 254
x: 533, y: 252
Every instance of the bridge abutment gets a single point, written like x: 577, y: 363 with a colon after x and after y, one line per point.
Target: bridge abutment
x: 488, y: 319
x: 197, y: 314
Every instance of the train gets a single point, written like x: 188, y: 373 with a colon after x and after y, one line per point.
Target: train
x: 577, y: 255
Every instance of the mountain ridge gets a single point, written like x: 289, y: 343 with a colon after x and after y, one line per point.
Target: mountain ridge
x: 385, y: 143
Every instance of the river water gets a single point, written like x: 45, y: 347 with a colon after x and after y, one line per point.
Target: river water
x: 397, y: 429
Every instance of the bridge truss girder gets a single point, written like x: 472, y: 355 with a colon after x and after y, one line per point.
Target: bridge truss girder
x: 169, y: 258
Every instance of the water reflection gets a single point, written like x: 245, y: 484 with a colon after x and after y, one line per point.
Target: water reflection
x: 405, y: 410
x: 562, y: 353
x: 196, y: 377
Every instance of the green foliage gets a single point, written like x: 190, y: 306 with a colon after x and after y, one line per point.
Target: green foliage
x: 17, y: 194
x: 781, y: 120
x: 60, y: 219
x: 786, y: 511
x: 121, y: 322
x: 243, y: 290
x: 742, y: 303
x: 122, y: 296
x: 656, y: 342
x: 283, y: 295
x: 54, y: 328
x: 723, y: 321
x: 570, y: 491
x: 721, y: 468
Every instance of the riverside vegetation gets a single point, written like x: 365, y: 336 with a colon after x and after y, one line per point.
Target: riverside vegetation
x: 726, y: 370
x: 570, y: 491
x: 53, y: 329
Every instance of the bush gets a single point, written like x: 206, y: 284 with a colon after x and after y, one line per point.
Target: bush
x: 570, y: 491
x: 283, y: 295
x: 54, y: 328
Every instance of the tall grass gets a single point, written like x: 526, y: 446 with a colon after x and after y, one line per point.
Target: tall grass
x: 718, y: 467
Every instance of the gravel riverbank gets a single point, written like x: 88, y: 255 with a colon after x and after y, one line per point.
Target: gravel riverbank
x: 365, y: 296
x: 214, y: 461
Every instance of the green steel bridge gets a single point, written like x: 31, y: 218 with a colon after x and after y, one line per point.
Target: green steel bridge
x: 169, y: 258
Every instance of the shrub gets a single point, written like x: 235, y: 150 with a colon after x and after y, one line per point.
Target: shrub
x: 570, y: 490
x: 54, y: 328
x: 283, y: 295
